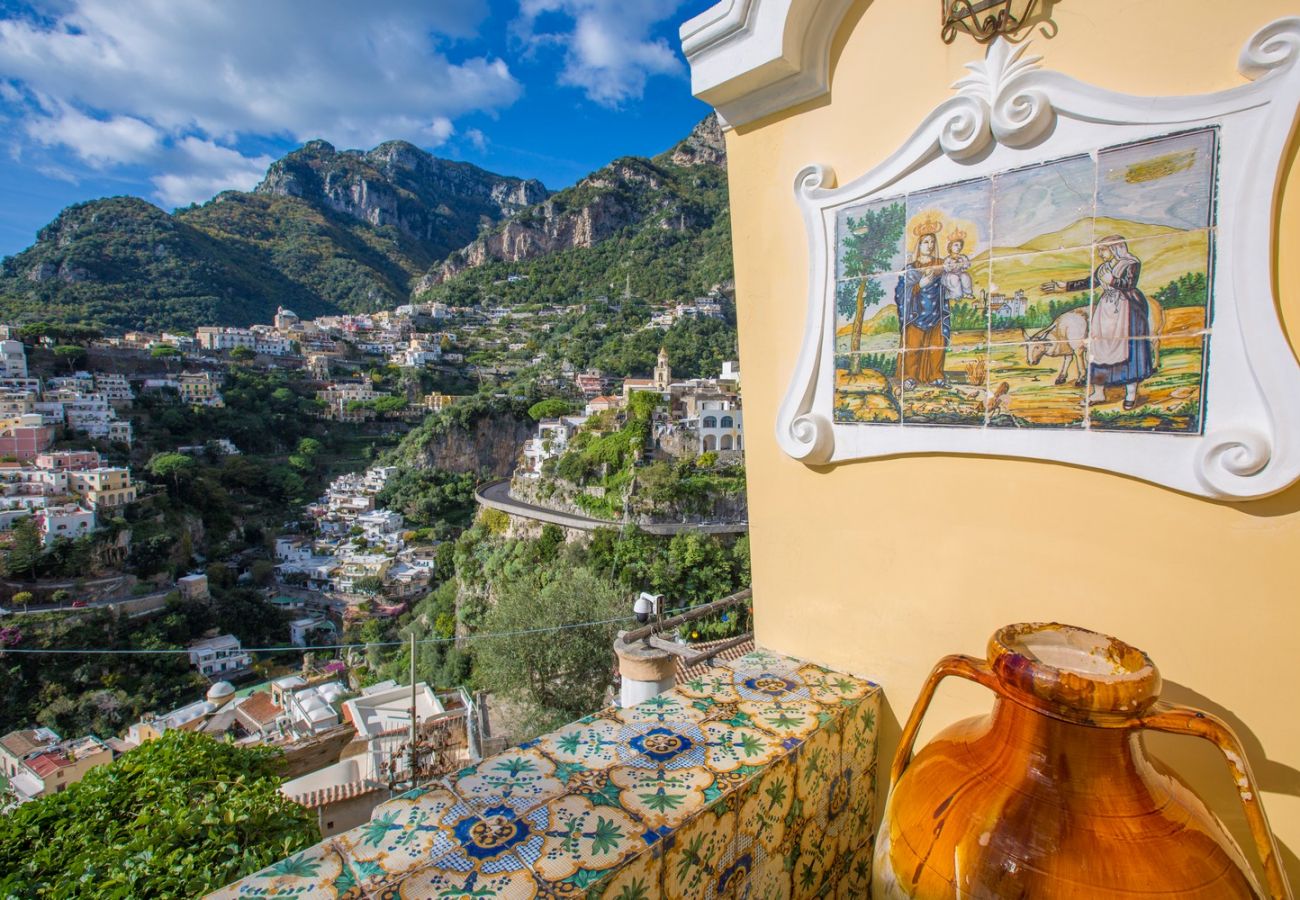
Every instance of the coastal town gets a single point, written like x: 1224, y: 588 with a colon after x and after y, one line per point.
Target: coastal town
x: 74, y: 474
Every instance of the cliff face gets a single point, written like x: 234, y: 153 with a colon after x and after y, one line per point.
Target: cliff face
x: 668, y: 193
x: 435, y: 201
x: 491, y: 443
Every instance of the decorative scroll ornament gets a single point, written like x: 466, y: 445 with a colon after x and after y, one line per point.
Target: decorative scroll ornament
x: 945, y: 336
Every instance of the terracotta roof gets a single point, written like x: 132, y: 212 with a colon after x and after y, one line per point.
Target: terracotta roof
x: 20, y: 743
x: 46, y: 764
x: 260, y: 708
x: 336, y: 793
x: 686, y: 673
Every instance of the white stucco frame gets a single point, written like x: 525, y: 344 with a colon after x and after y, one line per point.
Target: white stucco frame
x: 1010, y: 112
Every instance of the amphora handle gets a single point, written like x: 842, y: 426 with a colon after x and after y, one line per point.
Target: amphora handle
x: 968, y: 667
x: 1176, y: 719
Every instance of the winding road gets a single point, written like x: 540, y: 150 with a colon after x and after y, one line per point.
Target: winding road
x: 496, y: 495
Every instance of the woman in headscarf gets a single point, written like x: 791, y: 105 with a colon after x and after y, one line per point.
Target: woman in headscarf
x: 1120, y: 329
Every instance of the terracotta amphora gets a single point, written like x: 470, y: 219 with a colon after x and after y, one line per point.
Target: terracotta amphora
x: 1052, y: 795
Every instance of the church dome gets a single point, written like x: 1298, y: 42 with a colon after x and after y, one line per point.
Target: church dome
x: 221, y: 691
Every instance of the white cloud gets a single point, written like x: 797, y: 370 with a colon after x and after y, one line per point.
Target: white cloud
x: 477, y: 139
x: 99, y: 142
x: 609, y: 51
x: 131, y: 83
x: 199, y: 169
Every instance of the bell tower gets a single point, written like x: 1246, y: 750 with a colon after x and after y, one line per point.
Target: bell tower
x: 663, y: 371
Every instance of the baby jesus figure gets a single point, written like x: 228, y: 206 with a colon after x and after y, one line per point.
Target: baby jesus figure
x: 956, y: 268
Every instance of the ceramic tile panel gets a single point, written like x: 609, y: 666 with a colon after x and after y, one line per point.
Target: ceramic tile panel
x: 1048, y: 206
x: 945, y: 387
x: 1170, y: 399
x: 866, y: 314
x: 1174, y: 276
x: 1032, y: 294
x: 867, y: 387
x: 1157, y: 185
x: 1040, y: 384
x: 755, y: 779
x: 869, y: 238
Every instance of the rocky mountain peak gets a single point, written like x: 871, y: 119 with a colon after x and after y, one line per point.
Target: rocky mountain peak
x: 704, y: 146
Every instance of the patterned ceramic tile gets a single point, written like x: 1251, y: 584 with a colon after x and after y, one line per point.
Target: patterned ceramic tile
x: 728, y: 748
x: 767, y: 805
x: 581, y: 841
x: 403, y: 834
x: 784, y: 718
x: 762, y: 661
x: 715, y: 684
x: 518, y: 778
x: 593, y: 744
x: 317, y: 873
x: 664, y: 708
x: 697, y: 863
x: 638, y: 879
x: 759, y: 684
x: 754, y: 780
x: 463, y: 876
x: 662, y: 798
x: 854, y: 882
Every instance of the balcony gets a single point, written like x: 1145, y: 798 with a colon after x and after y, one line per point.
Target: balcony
x: 756, y: 777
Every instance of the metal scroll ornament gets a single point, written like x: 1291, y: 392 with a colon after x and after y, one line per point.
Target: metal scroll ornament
x: 985, y: 19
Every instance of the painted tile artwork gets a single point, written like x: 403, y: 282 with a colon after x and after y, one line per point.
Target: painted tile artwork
x: 1073, y: 294
x: 756, y: 778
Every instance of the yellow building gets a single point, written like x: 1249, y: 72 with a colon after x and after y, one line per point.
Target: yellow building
x: 882, y: 566
x: 104, y: 487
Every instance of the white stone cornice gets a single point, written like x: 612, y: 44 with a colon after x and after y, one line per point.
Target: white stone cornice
x: 752, y: 58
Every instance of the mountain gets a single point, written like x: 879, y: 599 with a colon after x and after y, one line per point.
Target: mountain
x: 330, y: 231
x: 660, y: 227
x: 326, y: 231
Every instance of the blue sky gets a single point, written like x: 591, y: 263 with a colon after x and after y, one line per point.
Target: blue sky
x: 173, y: 101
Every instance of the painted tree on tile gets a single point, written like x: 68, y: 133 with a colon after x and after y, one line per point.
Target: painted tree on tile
x: 871, y: 242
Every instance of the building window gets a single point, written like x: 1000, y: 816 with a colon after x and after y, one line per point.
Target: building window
x: 726, y: 442
x: 728, y: 422
x: 710, y: 422
x: 710, y: 443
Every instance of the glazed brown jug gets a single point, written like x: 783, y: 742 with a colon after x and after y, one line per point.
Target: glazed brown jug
x: 1052, y: 795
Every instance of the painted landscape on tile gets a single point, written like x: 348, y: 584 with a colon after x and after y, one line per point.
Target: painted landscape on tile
x: 1070, y: 294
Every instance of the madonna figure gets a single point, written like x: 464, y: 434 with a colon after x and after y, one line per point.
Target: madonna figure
x: 1120, y: 328
x: 923, y: 313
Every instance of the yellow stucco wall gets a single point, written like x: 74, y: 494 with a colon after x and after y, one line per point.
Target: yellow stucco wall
x: 881, y: 567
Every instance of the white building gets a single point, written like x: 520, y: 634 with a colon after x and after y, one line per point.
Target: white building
x: 315, y: 709
x: 719, y: 426
x: 299, y: 629
x: 13, y: 359
x: 115, y: 387
x: 379, y: 525
x: 67, y: 521
x: 217, y: 656
x: 553, y: 436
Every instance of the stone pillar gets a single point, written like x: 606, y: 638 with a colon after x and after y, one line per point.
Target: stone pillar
x: 646, y: 671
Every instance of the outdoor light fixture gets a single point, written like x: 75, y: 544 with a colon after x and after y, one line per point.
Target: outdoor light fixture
x: 985, y: 19
x: 646, y: 605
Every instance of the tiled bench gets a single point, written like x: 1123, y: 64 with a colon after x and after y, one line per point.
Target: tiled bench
x: 758, y: 774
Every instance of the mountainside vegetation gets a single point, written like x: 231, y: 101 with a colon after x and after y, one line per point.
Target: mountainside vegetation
x: 331, y: 231
x: 325, y: 232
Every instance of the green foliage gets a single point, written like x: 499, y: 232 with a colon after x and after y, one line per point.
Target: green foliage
x: 1191, y: 289
x: 667, y: 235
x: 70, y: 355
x: 550, y: 408
x: 870, y: 245
x: 26, y: 547
x: 242, y: 354
x: 430, y: 498
x: 555, y: 680
x: 164, y: 351
x: 176, y: 817
x: 23, y: 598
